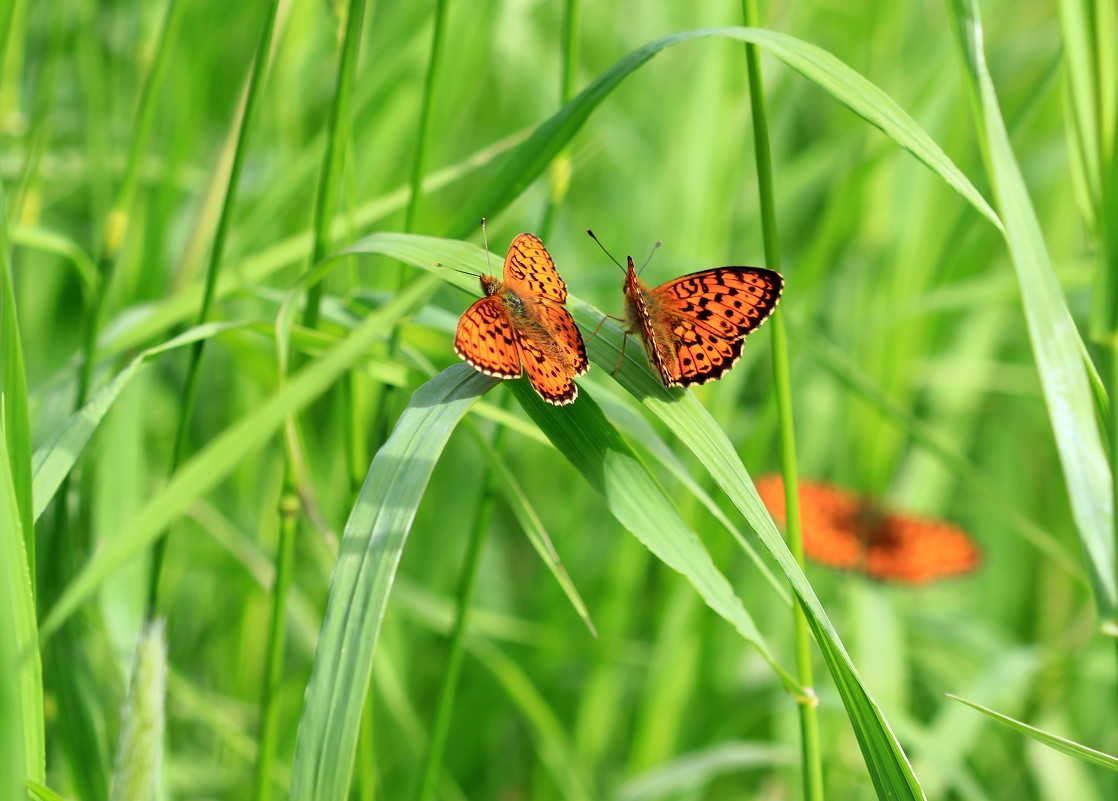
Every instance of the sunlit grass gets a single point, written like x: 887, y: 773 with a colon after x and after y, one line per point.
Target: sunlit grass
x: 916, y: 371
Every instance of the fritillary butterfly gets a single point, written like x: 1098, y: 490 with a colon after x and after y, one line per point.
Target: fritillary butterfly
x: 521, y: 325
x: 693, y: 327
x: 843, y: 530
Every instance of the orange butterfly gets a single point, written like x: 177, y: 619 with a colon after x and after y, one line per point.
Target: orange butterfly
x: 521, y: 325
x: 693, y: 327
x: 843, y: 530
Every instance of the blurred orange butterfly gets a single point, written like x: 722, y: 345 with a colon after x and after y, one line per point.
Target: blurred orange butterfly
x: 521, y: 325
x: 843, y: 530
x: 693, y: 327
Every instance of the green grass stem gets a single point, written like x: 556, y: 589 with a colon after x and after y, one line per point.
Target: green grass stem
x: 811, y: 765
x: 337, y: 134
x: 243, y: 119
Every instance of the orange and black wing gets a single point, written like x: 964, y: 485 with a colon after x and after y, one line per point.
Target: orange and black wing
x: 707, y: 315
x: 487, y: 340
x: 530, y: 271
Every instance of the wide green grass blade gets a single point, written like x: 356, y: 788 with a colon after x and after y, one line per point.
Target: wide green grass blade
x: 378, y: 527
x: 213, y: 463
x: 515, y: 172
x: 22, y: 751
x: 596, y: 449
x: 370, y: 551
x: 1055, y: 341
x: 1061, y: 744
x: 687, y: 418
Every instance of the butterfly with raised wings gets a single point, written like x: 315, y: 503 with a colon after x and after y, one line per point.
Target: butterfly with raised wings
x: 693, y: 327
x: 521, y: 325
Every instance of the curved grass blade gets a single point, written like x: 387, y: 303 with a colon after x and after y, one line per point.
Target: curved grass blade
x: 226, y: 452
x: 681, y: 411
x: 534, y: 530
x: 1052, y: 332
x: 691, y: 773
x: 378, y: 527
x: 54, y: 460
x: 516, y: 171
x: 553, y: 743
x: 596, y: 449
x: 1061, y: 744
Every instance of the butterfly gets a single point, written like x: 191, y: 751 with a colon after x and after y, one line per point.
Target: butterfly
x: 843, y: 530
x: 521, y: 325
x: 693, y: 327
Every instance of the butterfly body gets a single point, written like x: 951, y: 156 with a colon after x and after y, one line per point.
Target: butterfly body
x: 693, y: 327
x: 521, y: 325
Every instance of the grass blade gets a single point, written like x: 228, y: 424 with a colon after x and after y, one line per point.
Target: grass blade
x: 370, y: 551
x: 13, y: 393
x: 22, y: 750
x: 1052, y: 332
x: 223, y: 454
x: 1061, y: 744
x: 516, y: 171
x: 689, y: 420
x: 54, y: 460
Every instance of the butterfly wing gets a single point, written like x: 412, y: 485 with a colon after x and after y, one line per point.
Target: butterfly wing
x: 487, y: 340
x: 913, y: 550
x: 707, y: 315
x: 530, y: 272
x: 553, y: 351
x: 693, y: 326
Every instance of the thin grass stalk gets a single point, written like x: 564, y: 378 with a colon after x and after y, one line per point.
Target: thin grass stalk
x: 337, y: 134
x: 419, y: 160
x: 58, y: 47
x: 273, y: 674
x: 14, y: 414
x: 415, y: 192
x: 433, y: 763
x: 67, y: 656
x: 190, y: 393
x: 116, y: 221
x: 333, y: 161
x: 561, y: 167
x: 812, y: 765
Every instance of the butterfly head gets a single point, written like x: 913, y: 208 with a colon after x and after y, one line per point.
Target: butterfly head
x: 489, y: 285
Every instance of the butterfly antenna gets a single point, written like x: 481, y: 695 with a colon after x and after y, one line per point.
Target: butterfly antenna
x: 485, y: 238
x: 651, y: 253
x: 456, y: 269
x: 603, y: 247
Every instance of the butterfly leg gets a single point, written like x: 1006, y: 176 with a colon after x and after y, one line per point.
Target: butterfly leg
x: 603, y: 322
x: 621, y: 358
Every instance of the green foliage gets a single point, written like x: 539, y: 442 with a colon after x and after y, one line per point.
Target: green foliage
x: 628, y: 636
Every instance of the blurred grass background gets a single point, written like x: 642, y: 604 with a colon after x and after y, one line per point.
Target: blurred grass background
x: 891, y: 277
